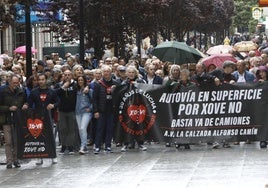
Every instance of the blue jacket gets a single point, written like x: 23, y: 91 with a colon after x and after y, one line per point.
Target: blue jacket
x: 249, y: 77
x: 83, y: 101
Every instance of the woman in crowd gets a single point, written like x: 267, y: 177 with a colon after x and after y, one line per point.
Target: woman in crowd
x: 171, y: 80
x: 132, y: 77
x: 4, y: 78
x: 32, y: 82
x: 184, y: 81
x: 174, y: 75
x: 166, y: 69
x: 185, y: 78
x: 78, y: 71
x: 83, y: 111
x: 261, y: 74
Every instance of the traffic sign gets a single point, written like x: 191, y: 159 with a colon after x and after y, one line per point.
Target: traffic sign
x: 257, y: 12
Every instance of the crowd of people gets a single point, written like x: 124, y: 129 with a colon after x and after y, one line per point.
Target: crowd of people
x: 79, y: 96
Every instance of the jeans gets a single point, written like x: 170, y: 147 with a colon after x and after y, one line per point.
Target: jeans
x: 82, y: 122
x: 104, y: 130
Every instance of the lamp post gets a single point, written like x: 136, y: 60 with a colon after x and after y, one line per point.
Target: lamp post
x: 81, y: 32
x: 28, y: 39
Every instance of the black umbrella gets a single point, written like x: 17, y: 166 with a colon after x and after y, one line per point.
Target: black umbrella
x: 176, y: 52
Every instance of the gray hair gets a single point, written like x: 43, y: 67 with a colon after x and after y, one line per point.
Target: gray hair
x: 77, y: 67
x: 106, y: 67
x: 132, y: 68
x: 174, y: 66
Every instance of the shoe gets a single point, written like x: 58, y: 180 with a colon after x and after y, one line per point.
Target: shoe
x: 142, y: 148
x: 108, y: 149
x: 3, y: 162
x: 215, y: 145
x: 177, y: 146
x: 248, y: 142
x: 39, y: 162
x: 97, y: 151
x: 16, y: 164
x: 131, y: 146
x: 263, y: 144
x: 54, y: 161
x: 9, y: 166
x: 124, y: 148
x: 236, y: 143
x: 90, y: 143
x: 85, y: 150
x: 168, y: 144
x: 71, y: 150
x: 226, y: 145
x: 186, y: 146
x: 62, y: 151
x: 118, y: 145
x: 81, y: 152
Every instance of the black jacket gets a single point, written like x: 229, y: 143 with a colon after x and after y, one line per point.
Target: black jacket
x: 67, y: 97
x: 102, y: 96
x: 35, y: 100
x: 10, y: 98
x: 156, y: 80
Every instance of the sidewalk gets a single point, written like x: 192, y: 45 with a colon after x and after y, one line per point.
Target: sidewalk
x: 244, y: 165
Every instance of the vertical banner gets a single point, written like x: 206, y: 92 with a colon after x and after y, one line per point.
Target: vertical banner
x: 35, y: 135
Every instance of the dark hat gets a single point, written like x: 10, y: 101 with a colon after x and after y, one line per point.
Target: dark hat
x: 40, y: 63
x: 228, y: 63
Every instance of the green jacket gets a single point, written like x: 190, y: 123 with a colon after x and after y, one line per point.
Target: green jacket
x: 10, y: 98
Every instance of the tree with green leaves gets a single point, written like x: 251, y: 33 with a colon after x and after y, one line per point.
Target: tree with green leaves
x: 242, y: 18
x: 116, y: 22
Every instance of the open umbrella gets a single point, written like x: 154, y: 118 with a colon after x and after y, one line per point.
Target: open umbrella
x: 219, y: 49
x: 176, y: 52
x: 22, y: 50
x: 245, y: 46
x: 217, y: 60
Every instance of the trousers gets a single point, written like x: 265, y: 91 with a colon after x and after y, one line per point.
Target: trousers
x: 11, y: 144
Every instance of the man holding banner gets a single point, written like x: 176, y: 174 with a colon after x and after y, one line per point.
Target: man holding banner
x: 39, y: 141
x: 12, y: 100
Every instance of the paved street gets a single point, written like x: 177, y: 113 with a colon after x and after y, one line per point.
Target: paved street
x: 244, y: 165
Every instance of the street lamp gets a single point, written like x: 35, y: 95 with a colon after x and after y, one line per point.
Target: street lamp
x: 81, y: 32
x: 28, y: 39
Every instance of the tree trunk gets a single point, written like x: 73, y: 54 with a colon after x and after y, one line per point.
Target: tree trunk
x: 98, y: 46
x: 138, y: 42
